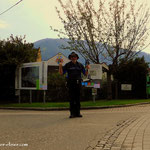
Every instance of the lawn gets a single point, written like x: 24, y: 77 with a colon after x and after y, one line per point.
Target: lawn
x: 83, y: 104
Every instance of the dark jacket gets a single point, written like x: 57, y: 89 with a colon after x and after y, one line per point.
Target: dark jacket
x: 74, y: 70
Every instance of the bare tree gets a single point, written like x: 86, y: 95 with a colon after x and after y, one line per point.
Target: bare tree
x: 112, y: 31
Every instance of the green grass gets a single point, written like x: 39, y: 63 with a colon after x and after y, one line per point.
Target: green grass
x: 52, y: 104
x: 114, y: 102
x: 83, y: 104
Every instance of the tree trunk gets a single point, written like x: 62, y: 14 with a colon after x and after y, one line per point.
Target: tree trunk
x: 109, y: 87
x: 116, y: 89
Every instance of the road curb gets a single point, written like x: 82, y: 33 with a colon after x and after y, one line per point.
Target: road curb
x: 65, y: 108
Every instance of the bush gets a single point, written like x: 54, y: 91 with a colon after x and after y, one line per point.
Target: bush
x: 57, y: 90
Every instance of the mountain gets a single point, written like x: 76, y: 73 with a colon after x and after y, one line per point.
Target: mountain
x: 50, y: 47
x: 146, y: 56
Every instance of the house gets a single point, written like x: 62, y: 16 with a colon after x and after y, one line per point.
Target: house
x: 39, y: 57
x: 53, y: 62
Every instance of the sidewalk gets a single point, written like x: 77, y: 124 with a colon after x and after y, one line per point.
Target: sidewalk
x: 132, y: 134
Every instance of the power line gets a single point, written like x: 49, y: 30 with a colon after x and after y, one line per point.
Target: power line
x: 10, y: 7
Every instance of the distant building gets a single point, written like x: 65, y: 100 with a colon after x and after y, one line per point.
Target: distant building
x: 58, y: 58
x: 53, y: 62
x: 39, y: 57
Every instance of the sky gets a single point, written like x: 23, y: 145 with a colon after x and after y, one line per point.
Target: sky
x: 32, y: 18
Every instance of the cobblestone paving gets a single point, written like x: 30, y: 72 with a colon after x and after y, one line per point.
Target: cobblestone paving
x: 132, y: 134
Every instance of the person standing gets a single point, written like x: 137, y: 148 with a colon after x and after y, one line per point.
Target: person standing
x: 73, y: 70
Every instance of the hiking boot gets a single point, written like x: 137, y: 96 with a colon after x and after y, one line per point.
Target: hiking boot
x: 79, y: 115
x: 72, y: 116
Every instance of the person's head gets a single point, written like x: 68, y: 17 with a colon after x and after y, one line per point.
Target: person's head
x: 73, y: 57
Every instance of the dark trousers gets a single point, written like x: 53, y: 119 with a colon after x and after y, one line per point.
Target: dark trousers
x: 74, y: 87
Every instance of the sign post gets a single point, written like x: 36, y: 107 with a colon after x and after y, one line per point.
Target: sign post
x: 44, y: 97
x: 17, y: 93
x: 94, y: 77
x: 30, y: 96
x: 94, y: 93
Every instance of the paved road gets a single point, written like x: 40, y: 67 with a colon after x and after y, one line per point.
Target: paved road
x: 126, y: 128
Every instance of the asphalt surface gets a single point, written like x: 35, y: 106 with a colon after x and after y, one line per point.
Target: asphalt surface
x: 124, y: 128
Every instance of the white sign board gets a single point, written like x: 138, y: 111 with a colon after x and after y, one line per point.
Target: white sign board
x: 95, y: 71
x: 32, y: 76
x: 126, y: 87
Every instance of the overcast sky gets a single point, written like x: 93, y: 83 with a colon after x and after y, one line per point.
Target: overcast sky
x: 32, y: 18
